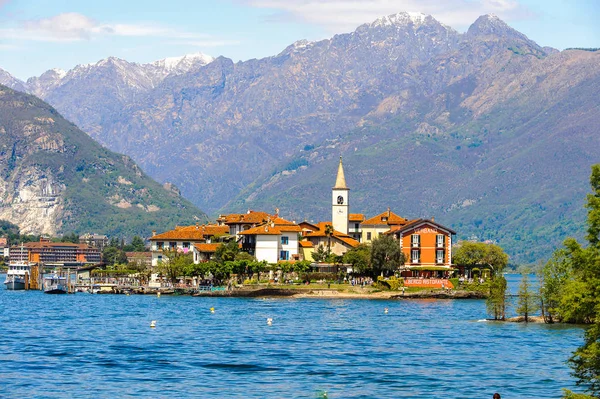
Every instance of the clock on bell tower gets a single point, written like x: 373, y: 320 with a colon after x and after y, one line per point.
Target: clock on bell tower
x: 339, y: 203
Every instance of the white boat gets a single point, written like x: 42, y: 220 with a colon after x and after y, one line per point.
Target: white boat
x: 15, y: 276
x: 55, y: 284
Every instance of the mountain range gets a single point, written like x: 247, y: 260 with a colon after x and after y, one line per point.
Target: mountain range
x: 486, y: 130
x: 55, y: 179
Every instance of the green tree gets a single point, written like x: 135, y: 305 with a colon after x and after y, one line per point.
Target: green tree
x: 580, y: 299
x: 386, y: 256
x: 244, y: 256
x: 527, y: 302
x: 496, y: 301
x: 112, y: 256
x: 553, y: 277
x: 137, y: 244
x: 227, y: 251
x: 585, y: 362
x: 479, y: 254
x: 320, y: 254
x: 359, y: 258
x: 72, y: 238
x: 258, y: 268
x: 175, y: 264
x: 302, y: 266
x: 328, y: 233
x: 114, y: 242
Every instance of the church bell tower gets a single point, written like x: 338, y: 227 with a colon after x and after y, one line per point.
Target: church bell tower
x: 339, y: 203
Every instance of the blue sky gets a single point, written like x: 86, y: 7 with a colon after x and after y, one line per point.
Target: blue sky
x: 36, y: 35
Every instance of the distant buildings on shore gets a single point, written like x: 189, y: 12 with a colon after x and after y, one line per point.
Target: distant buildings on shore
x: 425, y: 243
x: 55, y: 254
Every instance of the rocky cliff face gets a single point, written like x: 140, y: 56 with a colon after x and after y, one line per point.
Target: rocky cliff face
x: 55, y: 179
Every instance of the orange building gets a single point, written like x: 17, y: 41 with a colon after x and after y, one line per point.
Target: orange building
x: 427, y: 247
x: 62, y: 254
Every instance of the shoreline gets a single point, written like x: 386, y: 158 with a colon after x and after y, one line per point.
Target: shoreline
x: 321, y: 293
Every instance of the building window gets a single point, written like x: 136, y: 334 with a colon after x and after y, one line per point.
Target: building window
x: 439, y: 239
x: 284, y: 240
x: 356, y: 226
x: 284, y: 255
x: 173, y: 245
x: 160, y: 245
x: 439, y: 256
x: 186, y: 244
x: 369, y: 236
x: 416, y: 240
x: 415, y: 256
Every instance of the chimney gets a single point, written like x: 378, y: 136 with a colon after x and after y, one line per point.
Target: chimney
x: 153, y: 233
x: 432, y: 219
x: 389, y: 212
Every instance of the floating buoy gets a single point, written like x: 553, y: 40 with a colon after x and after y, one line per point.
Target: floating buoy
x: 269, y: 321
x: 385, y: 310
x: 212, y: 310
x: 153, y: 324
x: 158, y: 294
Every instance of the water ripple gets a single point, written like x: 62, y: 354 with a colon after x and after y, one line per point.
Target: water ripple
x: 102, y: 346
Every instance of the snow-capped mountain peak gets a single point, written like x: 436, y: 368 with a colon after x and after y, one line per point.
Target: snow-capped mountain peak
x: 183, y: 63
x: 401, y: 18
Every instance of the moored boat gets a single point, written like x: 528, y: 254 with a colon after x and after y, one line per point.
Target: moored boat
x: 16, y: 275
x: 55, y: 284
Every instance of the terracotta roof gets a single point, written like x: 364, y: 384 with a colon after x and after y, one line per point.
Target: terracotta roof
x: 265, y: 229
x: 417, y: 222
x: 251, y: 217
x: 336, y: 234
x: 306, y: 244
x: 204, y: 247
x: 271, y: 229
x: 308, y: 226
x: 392, y: 219
x: 348, y: 240
x: 282, y: 222
x: 192, y: 233
x: 356, y: 217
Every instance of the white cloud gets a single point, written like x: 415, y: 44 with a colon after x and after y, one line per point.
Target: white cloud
x: 345, y: 15
x: 70, y: 27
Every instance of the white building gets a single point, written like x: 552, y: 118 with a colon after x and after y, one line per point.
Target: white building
x: 276, y: 240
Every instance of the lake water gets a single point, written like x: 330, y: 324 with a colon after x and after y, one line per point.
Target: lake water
x: 102, y: 346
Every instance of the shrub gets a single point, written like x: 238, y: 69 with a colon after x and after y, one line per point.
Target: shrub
x: 454, y: 282
x: 391, y: 283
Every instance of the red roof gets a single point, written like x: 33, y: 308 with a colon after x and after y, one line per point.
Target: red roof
x: 356, y: 217
x: 336, y: 234
x: 386, y: 218
x: 251, y: 217
x: 191, y: 233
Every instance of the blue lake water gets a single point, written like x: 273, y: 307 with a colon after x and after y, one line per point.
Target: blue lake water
x: 102, y: 346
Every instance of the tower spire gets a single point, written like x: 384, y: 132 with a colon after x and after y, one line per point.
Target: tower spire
x: 340, y: 181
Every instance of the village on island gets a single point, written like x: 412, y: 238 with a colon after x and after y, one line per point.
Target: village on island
x: 270, y: 244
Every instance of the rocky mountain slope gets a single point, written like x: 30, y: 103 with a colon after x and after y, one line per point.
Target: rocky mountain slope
x: 485, y: 130
x: 55, y: 179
